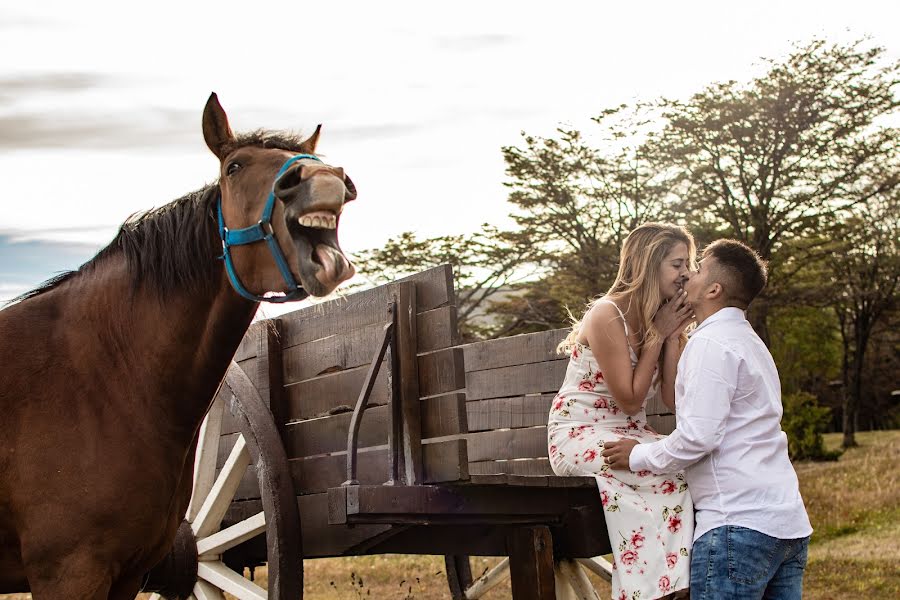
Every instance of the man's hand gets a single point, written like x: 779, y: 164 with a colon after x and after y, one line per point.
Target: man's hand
x: 617, y: 453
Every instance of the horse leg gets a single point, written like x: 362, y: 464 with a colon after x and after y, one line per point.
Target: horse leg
x: 78, y: 574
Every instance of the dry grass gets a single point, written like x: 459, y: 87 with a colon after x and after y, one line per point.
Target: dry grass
x: 854, y: 505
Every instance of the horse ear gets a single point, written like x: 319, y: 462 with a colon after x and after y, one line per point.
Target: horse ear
x: 309, y: 146
x: 216, y: 130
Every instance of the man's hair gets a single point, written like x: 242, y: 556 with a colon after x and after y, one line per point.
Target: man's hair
x: 741, y: 272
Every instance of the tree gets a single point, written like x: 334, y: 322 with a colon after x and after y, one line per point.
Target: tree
x: 866, y: 267
x: 483, y: 263
x: 574, y: 205
x: 768, y: 160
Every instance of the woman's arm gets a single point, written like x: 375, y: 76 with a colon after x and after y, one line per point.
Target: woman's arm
x: 671, y: 354
x: 605, y: 332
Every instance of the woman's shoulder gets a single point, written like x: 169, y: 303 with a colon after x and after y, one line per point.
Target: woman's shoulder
x: 604, y: 312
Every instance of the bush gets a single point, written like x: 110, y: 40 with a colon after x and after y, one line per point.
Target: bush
x: 803, y: 422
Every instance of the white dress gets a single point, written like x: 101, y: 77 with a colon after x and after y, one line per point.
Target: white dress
x: 650, y: 518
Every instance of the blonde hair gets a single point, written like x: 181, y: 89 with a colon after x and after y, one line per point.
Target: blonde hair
x: 643, y: 251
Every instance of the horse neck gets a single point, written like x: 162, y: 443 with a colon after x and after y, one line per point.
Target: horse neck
x: 174, y: 350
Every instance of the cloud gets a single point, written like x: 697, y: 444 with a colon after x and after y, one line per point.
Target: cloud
x: 25, y: 263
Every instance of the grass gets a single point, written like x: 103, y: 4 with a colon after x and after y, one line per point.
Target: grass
x: 853, y: 503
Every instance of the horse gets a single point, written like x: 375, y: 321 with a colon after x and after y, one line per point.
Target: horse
x: 108, y: 370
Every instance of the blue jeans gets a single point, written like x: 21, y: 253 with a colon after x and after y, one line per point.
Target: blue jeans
x: 736, y: 563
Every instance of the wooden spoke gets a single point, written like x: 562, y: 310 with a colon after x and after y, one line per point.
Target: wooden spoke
x: 227, y: 580
x: 228, y: 538
x: 209, y: 517
x: 205, y: 457
x: 206, y: 591
x: 489, y: 580
x: 599, y: 565
x: 572, y: 573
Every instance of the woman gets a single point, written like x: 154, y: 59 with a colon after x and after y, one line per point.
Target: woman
x: 624, y: 351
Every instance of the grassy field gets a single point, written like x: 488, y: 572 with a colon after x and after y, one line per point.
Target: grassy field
x: 854, y: 505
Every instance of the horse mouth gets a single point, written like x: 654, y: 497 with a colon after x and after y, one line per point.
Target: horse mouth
x: 321, y: 262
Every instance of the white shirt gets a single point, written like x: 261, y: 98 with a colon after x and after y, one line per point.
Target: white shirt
x: 728, y: 437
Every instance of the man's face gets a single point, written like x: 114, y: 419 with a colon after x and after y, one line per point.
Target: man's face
x: 698, y: 282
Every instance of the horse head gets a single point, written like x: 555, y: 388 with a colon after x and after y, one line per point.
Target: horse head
x: 286, y: 198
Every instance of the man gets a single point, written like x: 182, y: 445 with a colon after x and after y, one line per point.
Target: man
x: 752, y: 531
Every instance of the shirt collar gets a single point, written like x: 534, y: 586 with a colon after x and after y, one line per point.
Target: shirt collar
x: 729, y: 313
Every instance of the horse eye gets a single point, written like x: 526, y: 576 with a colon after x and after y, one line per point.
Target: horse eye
x: 233, y: 168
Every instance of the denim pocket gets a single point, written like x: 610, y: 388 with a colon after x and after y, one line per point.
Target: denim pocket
x: 750, y: 554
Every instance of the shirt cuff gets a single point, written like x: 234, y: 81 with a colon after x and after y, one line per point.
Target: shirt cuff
x: 638, y: 459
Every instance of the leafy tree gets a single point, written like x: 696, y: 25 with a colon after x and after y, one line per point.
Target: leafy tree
x: 769, y: 159
x: 866, y: 277
x: 483, y: 264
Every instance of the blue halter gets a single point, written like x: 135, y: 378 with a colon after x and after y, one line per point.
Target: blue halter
x: 262, y: 231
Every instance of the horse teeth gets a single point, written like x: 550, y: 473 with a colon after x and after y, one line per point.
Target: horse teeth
x: 318, y: 222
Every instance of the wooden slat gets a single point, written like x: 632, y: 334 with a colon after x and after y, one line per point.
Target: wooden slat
x: 329, y: 434
x: 407, y: 410
x: 434, y: 289
x: 443, y: 461
x: 337, y: 352
x: 249, y: 346
x: 444, y: 415
x: 516, y: 350
x: 514, y: 381
x: 441, y: 416
x: 508, y: 444
x: 528, y: 466
x: 437, y: 329
x: 664, y: 424
x: 441, y: 372
x: 508, y: 413
x: 316, y: 396
x: 655, y: 406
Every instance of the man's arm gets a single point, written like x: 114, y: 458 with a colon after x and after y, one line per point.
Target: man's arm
x: 711, y: 373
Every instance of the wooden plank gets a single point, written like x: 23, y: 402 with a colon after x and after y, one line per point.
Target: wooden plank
x: 270, y: 345
x: 441, y: 372
x: 655, y: 406
x: 319, y: 538
x: 434, y: 289
x: 315, y: 397
x: 515, y: 350
x: 526, y: 466
x: 531, y: 563
x: 443, y: 461
x: 410, y: 430
x: 437, y: 329
x: 514, y: 381
x: 508, y: 413
x: 441, y: 416
x: 444, y: 415
x: 664, y: 424
x: 329, y: 434
x: 507, y: 444
x: 250, y: 343
x: 337, y: 352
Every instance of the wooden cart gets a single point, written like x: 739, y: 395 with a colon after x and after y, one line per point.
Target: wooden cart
x: 361, y: 426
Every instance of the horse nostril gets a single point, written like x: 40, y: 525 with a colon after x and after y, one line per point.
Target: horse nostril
x: 287, y: 182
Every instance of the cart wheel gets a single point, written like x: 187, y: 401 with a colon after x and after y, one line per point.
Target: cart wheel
x: 571, y: 580
x: 259, y: 444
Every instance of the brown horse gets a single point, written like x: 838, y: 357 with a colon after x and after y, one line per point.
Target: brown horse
x: 106, y: 372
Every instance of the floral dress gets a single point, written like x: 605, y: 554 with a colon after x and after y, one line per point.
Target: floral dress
x: 650, y: 518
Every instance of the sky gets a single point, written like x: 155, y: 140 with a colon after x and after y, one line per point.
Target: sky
x: 100, y: 102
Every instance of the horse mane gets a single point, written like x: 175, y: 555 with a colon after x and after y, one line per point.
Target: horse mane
x: 166, y: 248
x: 176, y: 245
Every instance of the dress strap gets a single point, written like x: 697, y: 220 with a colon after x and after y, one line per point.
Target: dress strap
x: 621, y: 314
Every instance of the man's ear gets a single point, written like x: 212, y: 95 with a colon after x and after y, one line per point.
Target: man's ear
x: 715, y: 291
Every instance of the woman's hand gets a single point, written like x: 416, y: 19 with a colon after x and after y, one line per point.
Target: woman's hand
x: 673, y: 316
